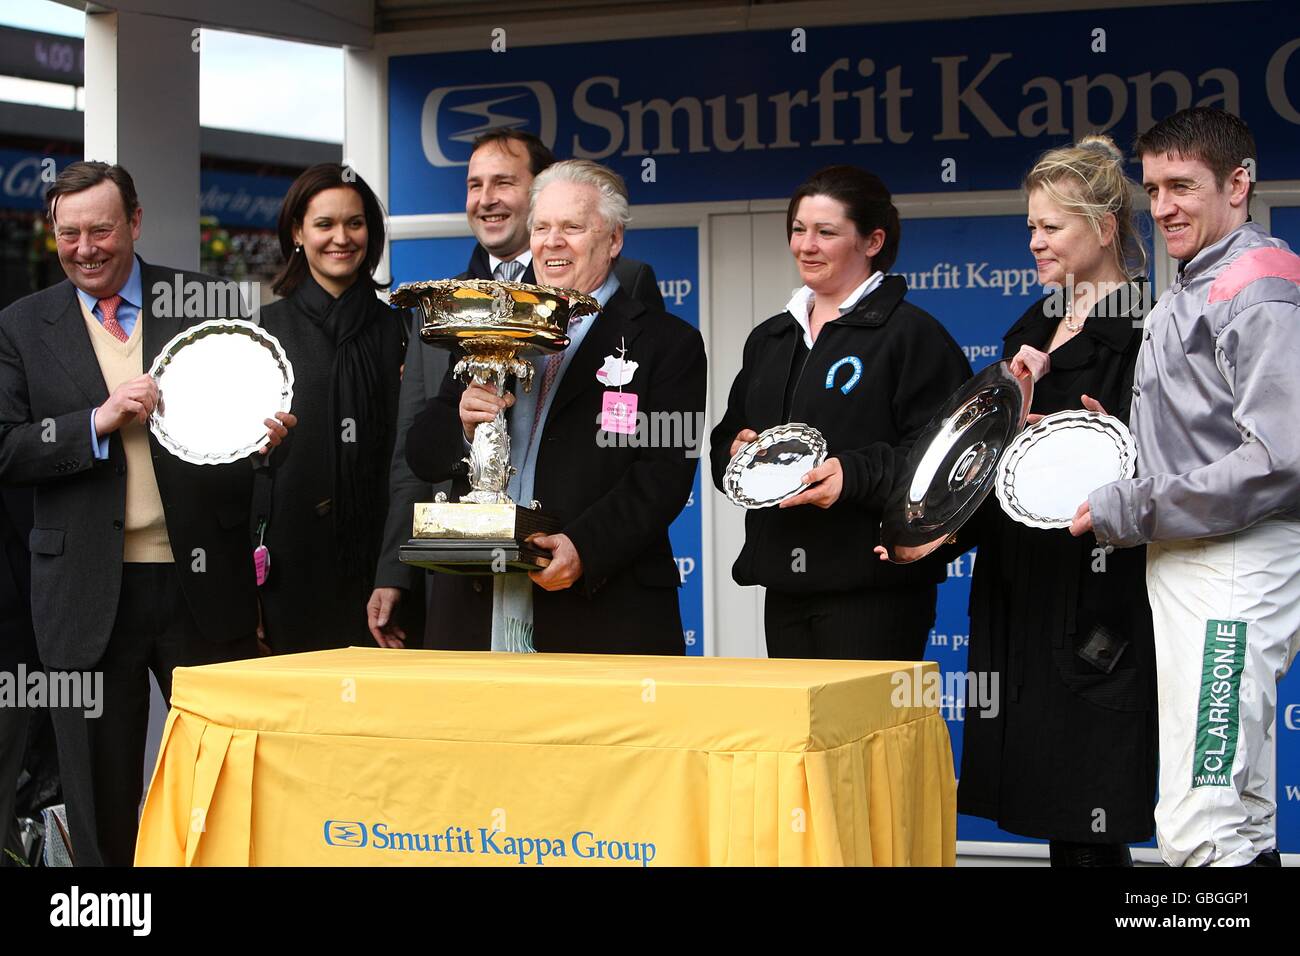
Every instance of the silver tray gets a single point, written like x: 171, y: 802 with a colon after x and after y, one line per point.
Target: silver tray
x: 770, y: 469
x: 1053, y: 465
x: 953, y: 464
x: 218, y: 382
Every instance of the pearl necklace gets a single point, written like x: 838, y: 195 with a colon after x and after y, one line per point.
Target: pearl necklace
x: 1069, y: 314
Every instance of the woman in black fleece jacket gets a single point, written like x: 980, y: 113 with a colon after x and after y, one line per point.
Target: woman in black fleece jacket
x: 852, y: 358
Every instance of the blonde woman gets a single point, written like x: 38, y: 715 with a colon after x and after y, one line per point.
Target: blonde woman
x: 1067, y: 753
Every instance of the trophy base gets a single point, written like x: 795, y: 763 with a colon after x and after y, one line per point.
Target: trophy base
x: 466, y: 538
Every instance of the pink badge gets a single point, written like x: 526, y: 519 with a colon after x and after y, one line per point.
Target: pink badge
x: 618, y: 413
x: 261, y: 563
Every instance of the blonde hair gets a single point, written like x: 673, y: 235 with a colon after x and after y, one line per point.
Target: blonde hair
x: 1088, y: 179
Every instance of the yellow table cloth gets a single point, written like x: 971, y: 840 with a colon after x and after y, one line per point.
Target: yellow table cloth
x: 367, y: 757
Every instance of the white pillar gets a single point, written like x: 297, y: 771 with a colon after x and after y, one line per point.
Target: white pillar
x: 142, y: 111
x: 365, y: 125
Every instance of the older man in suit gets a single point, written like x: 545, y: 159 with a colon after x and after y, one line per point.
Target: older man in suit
x: 140, y: 561
x: 502, y: 167
x: 611, y: 585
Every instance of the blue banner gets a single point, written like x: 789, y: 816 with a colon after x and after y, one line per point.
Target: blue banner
x: 242, y: 200
x: 935, y: 106
x: 24, y: 177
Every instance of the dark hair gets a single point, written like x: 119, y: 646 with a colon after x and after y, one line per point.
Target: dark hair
x: 1216, y: 137
x: 317, y: 179
x: 866, y: 201
x: 79, y: 176
x: 539, y: 155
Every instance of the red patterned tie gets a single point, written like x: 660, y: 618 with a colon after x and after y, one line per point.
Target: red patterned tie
x: 108, y: 312
x: 548, y: 375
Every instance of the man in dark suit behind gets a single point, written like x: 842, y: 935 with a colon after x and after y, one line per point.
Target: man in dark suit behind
x: 140, y: 561
x: 502, y: 167
x: 611, y: 585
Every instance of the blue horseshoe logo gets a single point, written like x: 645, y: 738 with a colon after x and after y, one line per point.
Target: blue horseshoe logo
x: 856, y: 377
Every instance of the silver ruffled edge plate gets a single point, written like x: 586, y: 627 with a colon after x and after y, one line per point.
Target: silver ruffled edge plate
x: 951, y: 467
x: 731, y: 478
x: 1108, y: 425
x: 194, y: 334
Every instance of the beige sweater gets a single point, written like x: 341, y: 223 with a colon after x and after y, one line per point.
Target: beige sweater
x: 146, y: 527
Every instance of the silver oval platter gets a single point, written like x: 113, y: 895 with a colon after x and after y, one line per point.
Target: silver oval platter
x: 217, y: 384
x: 770, y: 469
x: 952, y: 465
x: 1053, y: 465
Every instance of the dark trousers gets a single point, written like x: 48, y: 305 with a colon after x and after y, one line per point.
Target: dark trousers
x: 102, y: 758
x: 13, y: 744
x: 864, y: 625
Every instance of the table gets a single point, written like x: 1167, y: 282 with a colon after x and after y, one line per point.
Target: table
x: 372, y: 756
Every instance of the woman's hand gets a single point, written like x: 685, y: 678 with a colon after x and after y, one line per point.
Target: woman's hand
x: 1030, y: 361
x: 480, y: 404
x: 906, y: 555
x: 826, y: 481
x: 277, y: 429
x: 743, y: 438
x: 1092, y: 405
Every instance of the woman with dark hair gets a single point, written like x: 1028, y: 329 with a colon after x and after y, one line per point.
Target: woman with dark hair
x: 323, y: 497
x: 851, y: 357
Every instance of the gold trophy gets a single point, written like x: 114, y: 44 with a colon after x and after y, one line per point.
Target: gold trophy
x: 495, y: 324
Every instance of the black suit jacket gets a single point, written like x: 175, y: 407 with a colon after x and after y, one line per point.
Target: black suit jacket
x: 50, y: 381
x: 421, y: 380
x: 615, y: 503
x: 17, y: 642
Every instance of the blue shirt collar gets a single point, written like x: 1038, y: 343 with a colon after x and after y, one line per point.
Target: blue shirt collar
x: 607, y: 289
x: 131, y: 292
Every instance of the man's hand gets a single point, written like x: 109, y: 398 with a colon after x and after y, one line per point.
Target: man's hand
x: 565, y: 566
x: 1082, y: 522
x: 133, y: 400
x: 277, y: 429
x: 743, y: 438
x: 480, y: 404
x: 1089, y: 404
x: 1030, y: 361
x: 379, y: 616
x: 826, y: 480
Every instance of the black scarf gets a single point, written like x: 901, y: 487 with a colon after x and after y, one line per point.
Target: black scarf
x: 357, y: 417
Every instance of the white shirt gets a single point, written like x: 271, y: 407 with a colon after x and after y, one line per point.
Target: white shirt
x: 526, y: 257
x: 801, y: 302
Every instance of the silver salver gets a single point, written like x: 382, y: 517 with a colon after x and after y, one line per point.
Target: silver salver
x: 770, y: 469
x: 952, y: 466
x: 218, y: 382
x: 1054, y: 464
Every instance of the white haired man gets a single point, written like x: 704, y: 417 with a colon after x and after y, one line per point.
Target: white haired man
x: 611, y: 586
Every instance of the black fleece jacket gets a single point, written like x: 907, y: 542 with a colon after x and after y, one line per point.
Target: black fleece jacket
x: 906, y: 366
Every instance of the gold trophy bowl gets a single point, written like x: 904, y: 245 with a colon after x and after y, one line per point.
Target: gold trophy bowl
x: 494, y: 325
